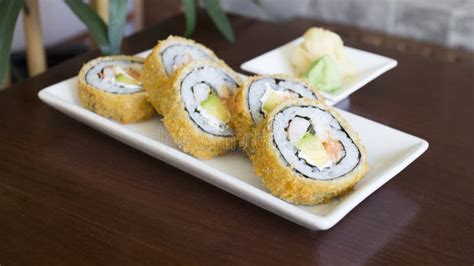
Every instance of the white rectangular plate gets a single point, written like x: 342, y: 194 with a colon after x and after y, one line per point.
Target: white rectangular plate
x: 233, y: 172
x: 368, y: 67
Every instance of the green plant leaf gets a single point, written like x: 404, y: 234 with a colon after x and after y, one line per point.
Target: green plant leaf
x: 9, y: 11
x: 94, y: 23
x: 190, y: 14
x: 220, y: 19
x: 117, y: 19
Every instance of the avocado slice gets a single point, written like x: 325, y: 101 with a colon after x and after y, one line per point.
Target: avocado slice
x: 122, y: 78
x: 214, y: 106
x: 312, y: 150
x: 273, y: 99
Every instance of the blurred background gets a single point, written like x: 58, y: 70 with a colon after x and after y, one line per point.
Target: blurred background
x: 445, y: 22
x: 438, y: 28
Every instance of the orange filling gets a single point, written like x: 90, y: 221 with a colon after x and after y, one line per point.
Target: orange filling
x: 333, y: 149
x: 133, y: 73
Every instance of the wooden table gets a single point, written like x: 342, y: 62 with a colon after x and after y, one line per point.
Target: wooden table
x: 72, y: 195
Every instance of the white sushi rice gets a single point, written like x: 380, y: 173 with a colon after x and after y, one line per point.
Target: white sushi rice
x: 320, y: 120
x: 259, y: 87
x: 297, y: 128
x: 178, y: 54
x: 204, y: 78
x: 110, y: 85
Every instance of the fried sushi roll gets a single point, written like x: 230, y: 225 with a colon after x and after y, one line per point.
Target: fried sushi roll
x: 307, y: 153
x: 110, y: 86
x: 167, y: 56
x: 257, y: 97
x: 199, y: 118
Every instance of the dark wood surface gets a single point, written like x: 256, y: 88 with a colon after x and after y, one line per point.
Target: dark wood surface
x: 72, y: 195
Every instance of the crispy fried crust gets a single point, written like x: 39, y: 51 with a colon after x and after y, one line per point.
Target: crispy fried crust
x: 154, y: 75
x: 283, y: 182
x: 126, y: 108
x: 242, y: 121
x: 184, y: 132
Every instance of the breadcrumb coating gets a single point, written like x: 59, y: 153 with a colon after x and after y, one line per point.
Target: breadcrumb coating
x: 184, y: 132
x: 125, y: 108
x: 284, y: 182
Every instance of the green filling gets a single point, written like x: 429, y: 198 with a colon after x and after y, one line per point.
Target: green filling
x: 214, y: 106
x: 122, y: 78
x: 312, y: 150
x: 271, y: 102
x: 324, y: 74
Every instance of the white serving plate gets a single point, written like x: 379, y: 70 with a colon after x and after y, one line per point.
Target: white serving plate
x: 368, y: 67
x: 233, y: 172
